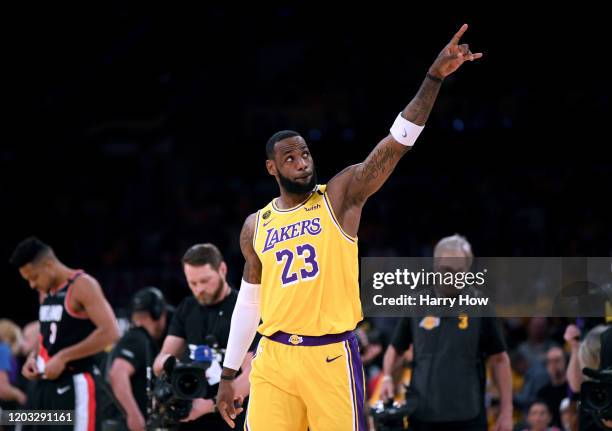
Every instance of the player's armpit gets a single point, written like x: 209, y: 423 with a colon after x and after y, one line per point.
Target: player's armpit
x: 349, y: 190
x: 252, y: 265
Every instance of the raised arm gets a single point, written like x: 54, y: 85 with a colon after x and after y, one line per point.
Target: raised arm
x: 349, y: 190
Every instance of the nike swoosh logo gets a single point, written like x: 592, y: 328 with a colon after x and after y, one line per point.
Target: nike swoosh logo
x: 267, y: 223
x: 61, y: 391
x: 332, y: 359
x: 404, y: 134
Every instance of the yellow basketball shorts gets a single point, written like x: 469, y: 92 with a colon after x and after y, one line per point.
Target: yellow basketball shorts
x: 301, y: 382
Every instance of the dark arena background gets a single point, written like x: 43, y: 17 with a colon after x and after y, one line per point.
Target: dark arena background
x: 132, y: 133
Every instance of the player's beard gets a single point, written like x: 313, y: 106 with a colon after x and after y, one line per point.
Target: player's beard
x: 296, y: 188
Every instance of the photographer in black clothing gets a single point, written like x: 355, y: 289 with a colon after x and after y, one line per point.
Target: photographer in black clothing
x: 203, y: 319
x: 134, y: 353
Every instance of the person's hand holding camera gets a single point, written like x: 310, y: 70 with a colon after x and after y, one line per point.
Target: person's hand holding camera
x: 200, y: 407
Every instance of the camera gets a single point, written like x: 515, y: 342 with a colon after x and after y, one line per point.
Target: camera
x: 596, y: 400
x: 171, y: 395
x: 391, y: 416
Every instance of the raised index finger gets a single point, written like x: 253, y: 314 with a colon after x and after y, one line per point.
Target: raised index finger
x: 457, y: 36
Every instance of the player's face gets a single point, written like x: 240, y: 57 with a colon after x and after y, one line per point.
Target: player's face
x: 39, y: 275
x: 205, y: 282
x: 293, y: 165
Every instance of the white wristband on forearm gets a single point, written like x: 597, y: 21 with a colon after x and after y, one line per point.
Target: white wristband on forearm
x: 405, y: 132
x: 245, y: 320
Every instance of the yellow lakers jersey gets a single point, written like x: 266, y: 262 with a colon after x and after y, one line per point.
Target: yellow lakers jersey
x: 310, y: 273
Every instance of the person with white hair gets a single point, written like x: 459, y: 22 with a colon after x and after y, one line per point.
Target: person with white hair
x: 584, y: 354
x: 450, y: 354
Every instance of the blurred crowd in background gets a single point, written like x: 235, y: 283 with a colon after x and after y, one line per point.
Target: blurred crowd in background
x: 544, y: 353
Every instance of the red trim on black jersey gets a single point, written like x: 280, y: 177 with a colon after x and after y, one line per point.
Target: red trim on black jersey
x: 42, y: 351
x: 75, y: 314
x: 91, y: 388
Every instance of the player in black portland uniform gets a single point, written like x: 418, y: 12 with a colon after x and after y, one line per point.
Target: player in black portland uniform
x: 60, y: 327
x: 76, y: 322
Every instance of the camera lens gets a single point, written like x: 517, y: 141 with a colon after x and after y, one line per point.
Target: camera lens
x: 188, y: 384
x: 599, y: 398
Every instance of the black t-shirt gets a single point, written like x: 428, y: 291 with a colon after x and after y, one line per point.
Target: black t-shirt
x: 139, y: 349
x: 196, y: 323
x: 491, y: 337
x: 490, y: 341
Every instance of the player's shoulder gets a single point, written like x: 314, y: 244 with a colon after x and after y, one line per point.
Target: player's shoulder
x: 84, y: 278
x: 251, y: 219
x: 85, y: 283
x: 248, y: 228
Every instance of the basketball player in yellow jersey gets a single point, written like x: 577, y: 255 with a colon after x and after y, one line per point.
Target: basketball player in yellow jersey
x: 301, y: 278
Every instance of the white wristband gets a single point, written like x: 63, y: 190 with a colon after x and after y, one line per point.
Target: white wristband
x: 405, y: 132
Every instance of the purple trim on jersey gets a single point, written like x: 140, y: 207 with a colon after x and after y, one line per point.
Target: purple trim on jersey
x: 306, y: 340
x: 333, y: 217
x: 357, y: 375
x: 353, y: 389
x: 256, y: 229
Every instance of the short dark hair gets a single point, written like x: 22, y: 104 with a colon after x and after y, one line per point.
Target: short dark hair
x: 203, y: 254
x: 278, y: 136
x: 30, y: 250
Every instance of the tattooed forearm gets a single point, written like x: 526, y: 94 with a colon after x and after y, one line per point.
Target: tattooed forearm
x: 380, y: 162
x: 419, y: 108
